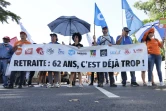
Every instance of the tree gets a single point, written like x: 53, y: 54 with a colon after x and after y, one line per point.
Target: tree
x: 149, y: 8
x: 6, y: 14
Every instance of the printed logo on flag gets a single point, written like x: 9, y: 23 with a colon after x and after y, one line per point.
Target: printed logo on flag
x: 50, y: 51
x: 60, y: 51
x: 18, y: 51
x: 127, y: 51
x: 29, y: 51
x: 71, y: 52
x: 40, y: 51
x: 103, y: 52
x: 93, y: 53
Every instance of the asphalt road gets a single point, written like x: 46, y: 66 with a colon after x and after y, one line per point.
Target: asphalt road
x: 88, y: 98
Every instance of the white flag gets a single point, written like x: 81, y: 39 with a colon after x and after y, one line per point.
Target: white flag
x: 24, y: 30
x: 89, y: 39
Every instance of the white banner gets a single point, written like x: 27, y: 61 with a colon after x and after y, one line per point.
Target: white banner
x: 52, y: 57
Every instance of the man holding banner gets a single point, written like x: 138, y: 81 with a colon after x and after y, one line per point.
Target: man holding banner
x: 105, y: 40
x: 124, y: 39
x: 6, y: 52
x: 18, y: 50
x: 57, y: 75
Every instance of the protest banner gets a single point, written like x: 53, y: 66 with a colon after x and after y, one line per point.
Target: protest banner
x: 55, y: 57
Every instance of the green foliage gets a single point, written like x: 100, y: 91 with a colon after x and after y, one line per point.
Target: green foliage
x: 5, y: 14
x: 135, y: 41
x: 149, y: 8
x: 148, y: 20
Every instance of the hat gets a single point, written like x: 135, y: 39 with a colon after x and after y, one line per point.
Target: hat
x: 6, y: 37
x: 22, y: 32
x: 151, y: 30
x: 79, y: 36
x: 105, y: 27
x: 126, y: 29
x: 53, y: 34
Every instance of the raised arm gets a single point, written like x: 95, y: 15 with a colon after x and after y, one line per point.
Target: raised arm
x: 119, y: 39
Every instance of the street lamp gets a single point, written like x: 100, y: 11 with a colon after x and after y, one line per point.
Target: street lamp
x: 162, y: 7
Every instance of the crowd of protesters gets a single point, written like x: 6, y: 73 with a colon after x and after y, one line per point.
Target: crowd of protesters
x: 18, y: 78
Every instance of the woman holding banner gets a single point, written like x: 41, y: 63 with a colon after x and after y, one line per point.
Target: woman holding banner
x: 77, y: 39
x: 154, y: 55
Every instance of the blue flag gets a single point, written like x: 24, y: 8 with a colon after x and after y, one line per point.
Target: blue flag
x: 99, y: 18
x: 133, y: 22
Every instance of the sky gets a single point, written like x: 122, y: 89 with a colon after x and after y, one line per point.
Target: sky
x: 37, y: 14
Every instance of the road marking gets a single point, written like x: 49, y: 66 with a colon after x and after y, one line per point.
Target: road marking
x: 107, y: 93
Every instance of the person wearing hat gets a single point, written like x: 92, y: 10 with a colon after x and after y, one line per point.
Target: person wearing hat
x: 154, y: 55
x: 18, y: 44
x: 105, y: 39
x: 144, y: 72
x: 56, y: 74
x: 124, y: 39
x: 76, y: 37
x: 6, y: 52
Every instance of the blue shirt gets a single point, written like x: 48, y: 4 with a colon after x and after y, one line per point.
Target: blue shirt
x: 6, y: 51
x: 54, y: 43
x: 125, y: 40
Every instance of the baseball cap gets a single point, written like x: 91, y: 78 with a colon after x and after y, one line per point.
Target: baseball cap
x: 126, y: 29
x: 6, y: 37
x: 105, y: 27
x: 53, y: 34
x: 22, y: 32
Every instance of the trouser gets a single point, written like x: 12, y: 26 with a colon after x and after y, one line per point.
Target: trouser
x: 17, y: 79
x: 20, y: 79
x: 100, y: 76
x: 92, y: 77
x: 106, y: 76
x: 32, y: 73
x: 3, y: 64
x: 154, y: 59
x: 111, y: 76
x: 124, y: 77
x: 57, y: 77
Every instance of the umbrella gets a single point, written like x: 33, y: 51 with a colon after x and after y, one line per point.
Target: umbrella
x: 67, y: 25
x: 159, y: 32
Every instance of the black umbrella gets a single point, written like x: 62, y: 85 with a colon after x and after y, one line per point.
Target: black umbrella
x: 67, y: 25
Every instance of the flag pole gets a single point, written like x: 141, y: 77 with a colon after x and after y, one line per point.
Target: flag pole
x: 122, y: 18
x: 94, y: 29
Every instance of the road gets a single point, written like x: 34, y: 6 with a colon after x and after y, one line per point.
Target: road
x: 88, y: 98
